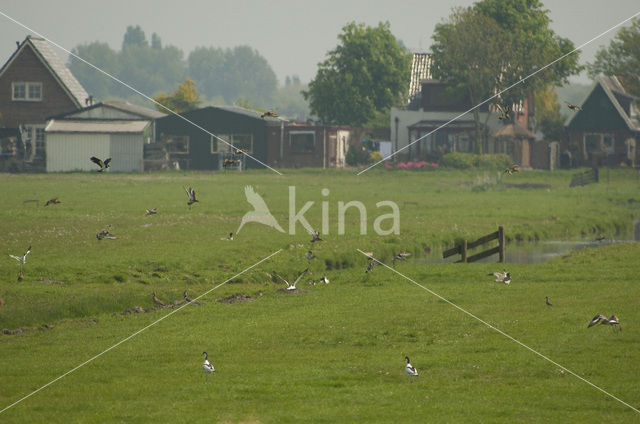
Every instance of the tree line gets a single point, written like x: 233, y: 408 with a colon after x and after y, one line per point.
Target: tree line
x: 238, y: 75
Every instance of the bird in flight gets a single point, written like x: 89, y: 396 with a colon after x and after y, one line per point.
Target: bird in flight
x: 613, y: 321
x: 22, y: 259
x: 410, y: 369
x: 400, y: 257
x: 512, y: 169
x: 151, y: 211
x: 502, y: 277
x: 53, y: 201
x: 293, y: 286
x: 103, y: 165
x: 505, y: 112
x: 315, y: 236
x: 230, y: 162
x: 573, y: 107
x: 192, y: 196
x: 269, y: 113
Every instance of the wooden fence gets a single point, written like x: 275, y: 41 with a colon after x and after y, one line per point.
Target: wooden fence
x: 463, y: 247
x: 584, y: 178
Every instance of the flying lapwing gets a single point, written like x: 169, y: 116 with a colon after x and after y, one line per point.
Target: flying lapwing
x: 191, y: 193
x: 103, y: 165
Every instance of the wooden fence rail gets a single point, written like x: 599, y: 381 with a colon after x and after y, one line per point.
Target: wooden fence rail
x: 463, y: 247
x: 584, y: 178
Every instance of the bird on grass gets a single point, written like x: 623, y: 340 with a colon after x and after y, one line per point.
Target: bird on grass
x: 573, y: 107
x: 309, y: 255
x: 324, y: 280
x: 400, y: 257
x: 53, y: 201
x: 191, y: 193
x: 547, y: 301
x: 512, y: 169
x: 102, y: 164
x: 156, y: 300
x: 105, y: 234
x: 22, y: 259
x: 505, y: 112
x: 502, y: 277
x: 206, y: 365
x: 293, y: 286
x: 20, y: 275
x: 315, y: 236
x: 151, y: 211
x: 230, y: 238
x: 410, y: 369
x: 269, y: 113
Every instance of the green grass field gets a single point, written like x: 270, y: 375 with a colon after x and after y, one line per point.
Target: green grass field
x: 330, y: 353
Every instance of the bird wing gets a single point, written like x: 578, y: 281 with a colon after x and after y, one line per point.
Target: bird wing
x: 595, y: 320
x: 97, y: 161
x: 280, y: 277
x: 106, y: 162
x: 17, y: 258
x: 300, y: 276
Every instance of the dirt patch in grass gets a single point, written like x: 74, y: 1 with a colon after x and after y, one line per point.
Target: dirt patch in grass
x: 236, y: 298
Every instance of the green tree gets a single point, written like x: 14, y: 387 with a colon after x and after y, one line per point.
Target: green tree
x: 549, y: 118
x: 289, y: 100
x: 184, y: 99
x: 468, y: 54
x: 134, y: 36
x: 621, y: 58
x: 366, y: 74
x: 103, y: 57
x: 534, y: 45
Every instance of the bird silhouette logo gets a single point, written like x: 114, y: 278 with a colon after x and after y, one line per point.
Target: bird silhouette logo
x: 260, y: 212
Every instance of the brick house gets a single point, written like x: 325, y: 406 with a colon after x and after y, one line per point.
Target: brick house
x: 34, y: 85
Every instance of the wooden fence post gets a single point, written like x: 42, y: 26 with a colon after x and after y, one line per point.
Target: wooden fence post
x: 463, y: 250
x: 501, y: 243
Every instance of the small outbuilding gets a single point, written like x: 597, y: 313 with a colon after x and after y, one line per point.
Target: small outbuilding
x: 516, y: 141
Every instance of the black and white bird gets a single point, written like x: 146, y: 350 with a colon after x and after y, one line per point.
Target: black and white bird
x: 151, y: 211
x: 502, y: 277
x: 315, y: 236
x: 614, y: 322
x: 324, y: 280
x: 230, y: 162
x: 400, y: 257
x: 206, y: 365
x: 309, y: 255
x: 53, y: 201
x: 293, y: 286
x: 410, y: 369
x: 230, y: 238
x: 191, y: 193
x: 105, y: 234
x: 505, y: 112
x: 595, y: 320
x: 547, y: 301
x: 372, y: 263
x: 512, y: 169
x: 22, y: 259
x: 102, y: 164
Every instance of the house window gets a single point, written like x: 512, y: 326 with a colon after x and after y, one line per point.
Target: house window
x: 302, y: 141
x: 599, y: 143
x: 27, y: 91
x: 176, y: 143
x: 238, y: 141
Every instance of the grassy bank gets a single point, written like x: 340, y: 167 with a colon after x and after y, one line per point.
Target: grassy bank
x: 329, y: 353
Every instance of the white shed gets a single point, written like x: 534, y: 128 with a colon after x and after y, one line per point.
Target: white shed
x: 70, y: 144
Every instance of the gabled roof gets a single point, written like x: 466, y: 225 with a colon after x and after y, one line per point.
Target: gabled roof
x: 44, y: 51
x: 87, y: 126
x: 615, y: 92
x: 134, y: 111
x: 420, y: 70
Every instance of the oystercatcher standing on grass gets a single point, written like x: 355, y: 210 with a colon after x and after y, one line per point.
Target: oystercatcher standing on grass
x: 410, y: 369
x: 206, y: 365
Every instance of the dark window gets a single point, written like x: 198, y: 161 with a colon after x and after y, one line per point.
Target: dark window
x: 302, y: 142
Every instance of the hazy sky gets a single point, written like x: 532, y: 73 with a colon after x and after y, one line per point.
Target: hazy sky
x: 293, y: 36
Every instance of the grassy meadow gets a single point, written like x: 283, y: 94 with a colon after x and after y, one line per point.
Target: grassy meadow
x: 325, y: 353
